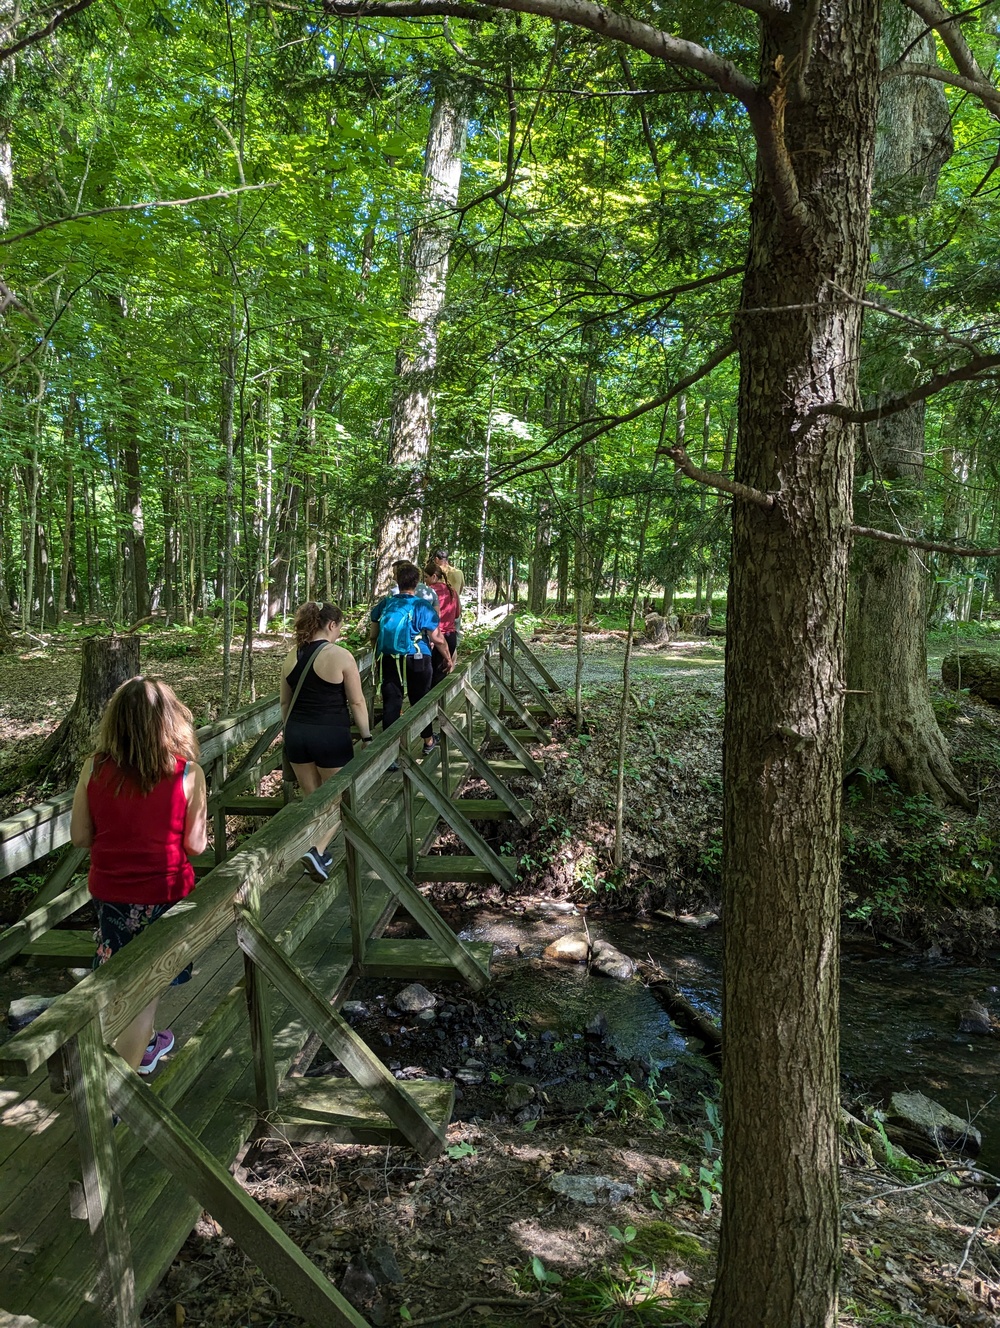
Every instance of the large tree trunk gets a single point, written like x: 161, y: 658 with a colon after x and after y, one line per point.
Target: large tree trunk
x: 798, y: 332
x: 427, y: 278
x: 107, y: 662
x: 888, y: 721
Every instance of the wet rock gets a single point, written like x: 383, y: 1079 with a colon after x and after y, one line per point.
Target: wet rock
x: 20, y: 1012
x: 384, y: 1265
x: 975, y: 1018
x: 358, y: 1285
x: 571, y: 949
x: 925, y: 1122
x: 591, y: 1189
x: 469, y: 1077
x: 415, y: 998
x: 518, y: 1095
x: 611, y: 963
x: 597, y: 1025
x: 426, y: 1017
x: 531, y: 1112
x: 354, y: 1010
x: 529, y: 1063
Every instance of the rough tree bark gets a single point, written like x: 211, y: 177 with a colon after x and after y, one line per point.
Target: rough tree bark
x: 107, y: 662
x: 799, y: 340
x: 427, y: 277
x: 888, y: 720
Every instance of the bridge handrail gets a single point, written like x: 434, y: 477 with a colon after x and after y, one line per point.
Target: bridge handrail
x: 119, y: 989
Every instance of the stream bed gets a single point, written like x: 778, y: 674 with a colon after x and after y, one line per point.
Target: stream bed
x: 899, y: 1016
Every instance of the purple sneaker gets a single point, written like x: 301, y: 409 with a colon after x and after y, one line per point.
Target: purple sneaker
x: 162, y: 1043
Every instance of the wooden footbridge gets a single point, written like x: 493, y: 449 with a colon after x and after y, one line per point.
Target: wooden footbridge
x: 92, y: 1214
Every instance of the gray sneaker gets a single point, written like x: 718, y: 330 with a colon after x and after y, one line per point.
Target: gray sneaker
x: 315, y: 864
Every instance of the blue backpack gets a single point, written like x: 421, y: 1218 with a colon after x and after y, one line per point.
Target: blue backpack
x: 397, y: 632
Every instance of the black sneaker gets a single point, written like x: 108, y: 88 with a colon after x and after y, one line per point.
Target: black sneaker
x: 315, y: 864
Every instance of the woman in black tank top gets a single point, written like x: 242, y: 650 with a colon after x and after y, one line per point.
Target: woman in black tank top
x: 318, y: 727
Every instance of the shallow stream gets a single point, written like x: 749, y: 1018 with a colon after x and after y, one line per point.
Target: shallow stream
x: 899, y: 1016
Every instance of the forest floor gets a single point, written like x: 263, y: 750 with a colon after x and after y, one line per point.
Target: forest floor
x: 497, y: 1229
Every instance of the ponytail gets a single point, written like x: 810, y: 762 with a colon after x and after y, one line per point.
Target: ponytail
x: 313, y: 617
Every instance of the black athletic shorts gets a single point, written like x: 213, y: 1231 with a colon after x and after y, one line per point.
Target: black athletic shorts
x: 326, y: 745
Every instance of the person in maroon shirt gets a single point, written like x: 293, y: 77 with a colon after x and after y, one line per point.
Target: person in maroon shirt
x: 448, y: 610
x: 140, y: 806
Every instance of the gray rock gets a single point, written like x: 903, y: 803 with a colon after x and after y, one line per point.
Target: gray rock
x: 358, y: 1285
x: 518, y: 1095
x: 975, y: 1018
x: 591, y: 1189
x: 597, y: 1025
x: 572, y: 949
x: 942, y: 1129
x: 384, y: 1265
x: 354, y: 1010
x: 414, y: 998
x: 469, y: 1077
x: 20, y: 1012
x: 427, y: 1017
x: 611, y: 963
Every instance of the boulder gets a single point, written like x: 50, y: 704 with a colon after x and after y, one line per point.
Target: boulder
x: 591, y: 1189
x: 926, y: 1123
x: 414, y: 998
x: 975, y: 1018
x: 597, y: 1025
x: 571, y: 949
x: 518, y: 1095
x: 978, y: 670
x: 611, y: 963
x: 20, y: 1012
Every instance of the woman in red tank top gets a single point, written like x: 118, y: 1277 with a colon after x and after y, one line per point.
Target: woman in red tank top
x: 141, y: 808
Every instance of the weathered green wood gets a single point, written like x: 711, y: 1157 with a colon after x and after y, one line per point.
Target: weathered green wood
x: 261, y: 1039
x: 71, y: 861
x: 533, y: 728
x: 357, y: 1058
x: 354, y: 894
x: 483, y: 809
x: 40, y: 920
x: 305, y: 1288
x: 520, y: 674
x: 326, y: 1108
x: 410, y: 826
x: 454, y: 867
x: 451, y: 813
x: 69, y: 949
x: 235, y: 778
x: 414, y: 903
x: 481, y: 766
x: 84, y: 1066
x: 503, y: 767
x: 419, y: 959
x: 519, y: 643
x: 501, y: 730
x: 250, y: 806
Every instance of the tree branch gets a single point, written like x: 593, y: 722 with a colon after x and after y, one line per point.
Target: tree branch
x: 713, y: 480
x: 871, y: 532
x: 985, y: 91
x: 979, y: 364
x: 7, y: 52
x: 948, y: 27
x: 134, y: 207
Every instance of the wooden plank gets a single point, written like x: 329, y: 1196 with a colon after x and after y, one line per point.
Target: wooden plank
x: 328, y: 1108
x: 83, y: 1062
x: 512, y: 803
x: 532, y: 726
x: 305, y: 1288
x: 357, y: 1058
x: 415, y: 904
x: 71, y: 861
x: 501, y: 730
x: 483, y: 809
x: 236, y: 779
x: 41, y: 920
x: 238, y: 806
x: 419, y: 959
x: 459, y: 823
x: 69, y: 948
x: 504, y: 767
x: 454, y: 867
x: 519, y: 643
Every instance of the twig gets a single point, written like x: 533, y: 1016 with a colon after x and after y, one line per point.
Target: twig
x: 713, y: 480
x: 975, y: 1232
x: 508, y: 1302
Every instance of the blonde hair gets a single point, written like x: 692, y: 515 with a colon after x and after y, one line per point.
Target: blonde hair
x: 144, y: 729
x: 312, y: 617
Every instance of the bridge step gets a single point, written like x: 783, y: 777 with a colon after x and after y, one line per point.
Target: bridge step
x: 506, y: 768
x: 455, y: 867
x: 419, y: 959
x: 327, y: 1108
x: 483, y: 809
x: 63, y: 948
x: 252, y: 806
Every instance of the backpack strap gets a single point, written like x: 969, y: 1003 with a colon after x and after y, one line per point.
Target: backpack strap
x: 302, y: 677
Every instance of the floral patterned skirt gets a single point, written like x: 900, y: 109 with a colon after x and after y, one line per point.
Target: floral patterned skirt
x: 117, y: 924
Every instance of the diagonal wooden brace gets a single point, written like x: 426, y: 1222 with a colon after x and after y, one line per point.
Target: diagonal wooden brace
x: 414, y: 902
x: 354, y: 1054
x: 516, y: 704
x: 182, y: 1153
x: 536, y: 664
x: 517, y: 670
x: 483, y: 769
x: 456, y: 818
x: 518, y: 750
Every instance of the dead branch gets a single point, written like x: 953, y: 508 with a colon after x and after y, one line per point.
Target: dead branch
x: 949, y: 29
x: 714, y: 480
x: 870, y: 532
x: 978, y: 365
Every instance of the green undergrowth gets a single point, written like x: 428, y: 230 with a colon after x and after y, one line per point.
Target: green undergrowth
x: 910, y: 868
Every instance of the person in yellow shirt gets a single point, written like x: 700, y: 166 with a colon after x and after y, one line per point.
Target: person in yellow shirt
x: 451, y: 574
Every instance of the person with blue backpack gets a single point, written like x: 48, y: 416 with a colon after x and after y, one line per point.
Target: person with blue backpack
x: 405, y: 629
